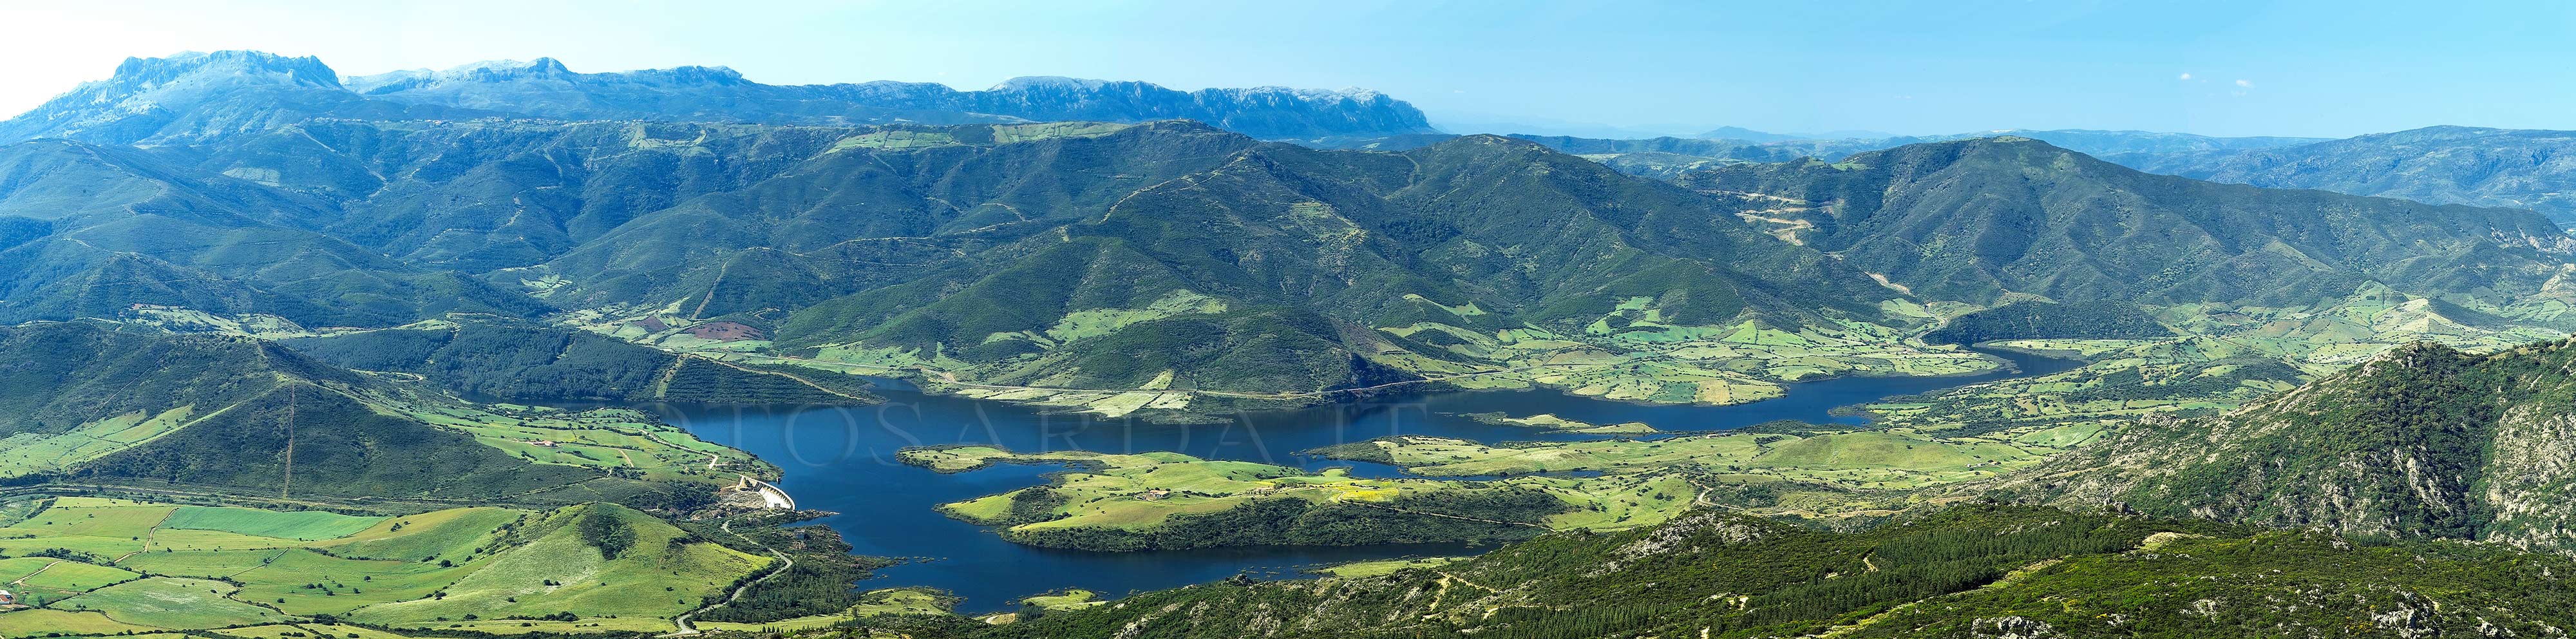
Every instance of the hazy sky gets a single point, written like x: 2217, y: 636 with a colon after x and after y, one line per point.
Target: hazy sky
x: 2226, y: 68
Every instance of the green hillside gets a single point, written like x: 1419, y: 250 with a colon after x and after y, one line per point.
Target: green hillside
x: 2424, y: 441
x: 1985, y: 220
x: 105, y: 565
x: 104, y: 231
x: 1967, y: 571
x: 2045, y: 320
x: 233, y: 415
x: 2508, y: 168
x: 524, y: 361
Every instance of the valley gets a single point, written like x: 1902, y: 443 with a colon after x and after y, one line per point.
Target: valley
x: 913, y: 477
x: 510, y: 350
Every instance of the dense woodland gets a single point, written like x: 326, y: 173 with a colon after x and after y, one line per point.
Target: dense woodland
x: 1941, y: 575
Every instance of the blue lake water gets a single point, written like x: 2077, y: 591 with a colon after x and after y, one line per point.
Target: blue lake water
x: 842, y: 459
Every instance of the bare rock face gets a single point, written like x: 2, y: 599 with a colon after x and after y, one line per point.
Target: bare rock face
x: 183, y: 94
x: 2011, y: 628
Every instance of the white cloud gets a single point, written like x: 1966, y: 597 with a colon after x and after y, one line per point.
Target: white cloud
x: 2243, y: 83
x: 2186, y: 76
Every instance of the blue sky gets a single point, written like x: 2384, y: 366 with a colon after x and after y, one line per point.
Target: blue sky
x: 2255, y: 68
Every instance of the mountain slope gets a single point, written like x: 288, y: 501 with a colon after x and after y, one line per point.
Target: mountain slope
x: 2512, y: 168
x: 1509, y: 231
x: 195, y: 96
x: 2423, y: 441
x: 491, y: 194
x: 524, y: 362
x: 107, y: 229
x: 1993, y: 220
x: 229, y: 415
x: 1967, y: 572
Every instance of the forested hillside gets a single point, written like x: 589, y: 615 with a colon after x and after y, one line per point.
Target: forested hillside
x: 1166, y: 266
x: 1985, y: 220
x: 1969, y: 571
x: 2424, y: 441
x: 522, y: 361
x: 231, y: 415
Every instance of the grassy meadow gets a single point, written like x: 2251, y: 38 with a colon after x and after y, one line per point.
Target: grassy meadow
x: 105, y: 566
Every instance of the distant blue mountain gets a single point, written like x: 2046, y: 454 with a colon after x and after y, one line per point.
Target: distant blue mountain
x: 196, y: 94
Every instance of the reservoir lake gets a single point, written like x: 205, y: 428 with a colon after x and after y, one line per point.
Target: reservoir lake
x: 843, y: 459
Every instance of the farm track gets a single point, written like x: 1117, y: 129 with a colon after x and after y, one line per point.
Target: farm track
x: 683, y: 622
x: 21, y: 581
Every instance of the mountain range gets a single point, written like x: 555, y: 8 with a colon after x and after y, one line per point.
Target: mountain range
x: 1042, y: 254
x: 1988, y: 219
x: 237, y: 276
x: 2515, y: 168
x: 200, y: 95
x: 2503, y: 168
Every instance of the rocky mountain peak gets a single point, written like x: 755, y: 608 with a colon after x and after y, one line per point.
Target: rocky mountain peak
x: 147, y: 95
x: 238, y: 66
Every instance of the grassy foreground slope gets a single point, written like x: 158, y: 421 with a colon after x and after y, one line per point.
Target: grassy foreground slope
x: 2424, y: 441
x: 153, y: 566
x: 1965, y: 572
x: 93, y: 566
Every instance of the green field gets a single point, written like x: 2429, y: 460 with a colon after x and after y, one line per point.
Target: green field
x: 43, y: 622
x: 173, y: 603
x: 606, y: 439
x: 304, y: 631
x: 68, y: 576
x: 308, y: 525
x: 202, y: 563
x: 410, y: 570
x: 452, y: 533
x: 305, y: 582
x: 557, y: 571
